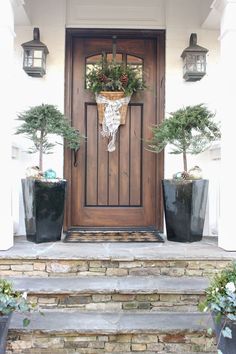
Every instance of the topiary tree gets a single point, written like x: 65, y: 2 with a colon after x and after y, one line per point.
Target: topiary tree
x: 40, y: 121
x: 189, y: 130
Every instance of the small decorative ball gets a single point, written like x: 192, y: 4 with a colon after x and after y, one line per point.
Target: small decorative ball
x: 177, y: 175
x: 195, y: 173
x: 33, y: 172
x: 50, y: 174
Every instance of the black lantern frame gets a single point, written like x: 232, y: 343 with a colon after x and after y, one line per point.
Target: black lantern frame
x: 194, y: 60
x: 35, y: 54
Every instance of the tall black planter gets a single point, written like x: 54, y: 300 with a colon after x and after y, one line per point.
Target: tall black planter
x: 185, y: 208
x: 44, y: 209
x: 4, y: 325
x: 226, y: 345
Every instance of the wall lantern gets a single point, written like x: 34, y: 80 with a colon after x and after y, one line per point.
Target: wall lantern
x: 194, y: 59
x: 35, y: 53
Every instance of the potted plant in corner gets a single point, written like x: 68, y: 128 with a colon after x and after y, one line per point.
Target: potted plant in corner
x: 221, y: 302
x: 10, y: 301
x: 113, y: 85
x: 189, y: 130
x: 43, y: 193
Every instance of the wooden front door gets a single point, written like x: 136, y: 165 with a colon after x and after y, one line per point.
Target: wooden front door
x: 121, y: 188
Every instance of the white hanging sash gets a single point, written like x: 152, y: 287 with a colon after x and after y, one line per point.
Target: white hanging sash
x: 111, y: 121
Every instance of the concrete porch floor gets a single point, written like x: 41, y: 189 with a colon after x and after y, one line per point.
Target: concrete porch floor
x: 206, y: 249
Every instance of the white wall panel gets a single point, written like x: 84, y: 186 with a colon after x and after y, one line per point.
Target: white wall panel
x: 112, y: 13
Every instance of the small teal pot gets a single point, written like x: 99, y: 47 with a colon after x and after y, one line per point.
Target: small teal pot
x: 4, y: 325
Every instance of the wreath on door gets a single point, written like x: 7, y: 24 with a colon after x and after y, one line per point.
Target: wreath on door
x: 113, y: 85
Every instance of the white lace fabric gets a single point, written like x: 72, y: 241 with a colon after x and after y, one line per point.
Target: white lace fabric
x: 112, y: 118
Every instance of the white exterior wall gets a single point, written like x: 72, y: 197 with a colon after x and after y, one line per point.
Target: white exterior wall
x: 35, y: 91
x: 227, y: 9
x: 6, y: 84
x: 53, y: 16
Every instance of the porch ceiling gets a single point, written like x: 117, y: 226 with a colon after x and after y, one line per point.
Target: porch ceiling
x: 212, y: 19
x: 21, y: 17
x: 131, y: 13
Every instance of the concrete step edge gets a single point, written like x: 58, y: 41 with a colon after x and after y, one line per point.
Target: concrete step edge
x: 108, y: 323
x: 112, y: 285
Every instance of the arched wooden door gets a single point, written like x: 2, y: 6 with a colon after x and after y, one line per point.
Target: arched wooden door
x: 120, y: 188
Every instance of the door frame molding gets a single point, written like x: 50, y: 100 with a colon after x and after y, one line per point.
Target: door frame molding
x: 71, y: 33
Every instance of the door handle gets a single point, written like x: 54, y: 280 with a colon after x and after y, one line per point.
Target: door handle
x: 76, y: 162
x: 75, y: 153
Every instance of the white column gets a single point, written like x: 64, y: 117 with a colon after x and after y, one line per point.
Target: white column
x: 6, y: 84
x: 227, y: 87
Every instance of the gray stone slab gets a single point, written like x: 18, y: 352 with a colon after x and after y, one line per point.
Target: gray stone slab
x: 66, y: 285
x: 161, y: 284
x: 206, y: 249
x: 103, y: 284
x: 95, y: 322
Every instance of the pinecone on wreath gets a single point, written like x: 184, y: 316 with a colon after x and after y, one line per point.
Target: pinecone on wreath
x: 103, y: 78
x: 124, y: 79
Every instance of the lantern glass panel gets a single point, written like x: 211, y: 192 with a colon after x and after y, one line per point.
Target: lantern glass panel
x: 37, y: 62
x: 200, y: 63
x: 185, y: 66
x: 195, y: 63
x: 28, y: 58
x: 38, y: 55
x: 191, y: 63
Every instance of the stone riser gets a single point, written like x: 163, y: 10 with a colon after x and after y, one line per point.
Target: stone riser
x: 72, y: 343
x: 118, y: 302
x: 61, y: 268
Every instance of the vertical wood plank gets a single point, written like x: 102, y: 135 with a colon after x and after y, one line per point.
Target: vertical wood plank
x: 102, y: 169
x: 114, y: 175
x: 124, y: 161
x: 91, y: 157
x: 135, y: 155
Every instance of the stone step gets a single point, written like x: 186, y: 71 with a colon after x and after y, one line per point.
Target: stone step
x: 113, y: 259
x: 97, y: 332
x: 115, y: 293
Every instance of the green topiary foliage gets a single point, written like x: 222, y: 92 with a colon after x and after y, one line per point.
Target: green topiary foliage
x: 189, y: 130
x: 40, y: 121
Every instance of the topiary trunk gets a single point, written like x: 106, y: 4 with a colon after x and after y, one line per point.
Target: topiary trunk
x: 185, y: 161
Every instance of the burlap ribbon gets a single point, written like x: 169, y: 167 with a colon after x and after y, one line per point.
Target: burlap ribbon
x: 111, y: 121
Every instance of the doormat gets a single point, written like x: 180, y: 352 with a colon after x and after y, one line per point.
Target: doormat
x: 77, y: 236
